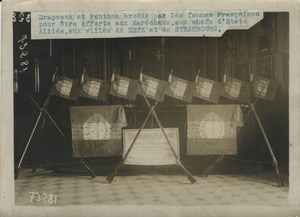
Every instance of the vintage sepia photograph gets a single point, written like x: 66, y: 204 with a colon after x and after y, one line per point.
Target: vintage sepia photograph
x: 161, y: 108
x: 152, y: 120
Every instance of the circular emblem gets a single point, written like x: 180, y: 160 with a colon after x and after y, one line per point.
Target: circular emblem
x: 92, y: 88
x: 212, y: 126
x: 96, y: 128
x: 64, y: 87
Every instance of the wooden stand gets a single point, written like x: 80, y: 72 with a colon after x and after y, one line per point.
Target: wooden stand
x: 275, y: 162
x: 44, y: 113
x: 151, y: 112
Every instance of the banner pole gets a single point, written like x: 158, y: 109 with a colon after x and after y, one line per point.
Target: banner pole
x: 275, y: 163
x: 188, y: 174
x: 110, y: 178
x: 29, y: 140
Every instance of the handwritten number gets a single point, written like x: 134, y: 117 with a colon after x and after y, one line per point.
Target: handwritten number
x: 25, y: 63
x: 23, y: 70
x: 14, y: 17
x: 23, y: 38
x: 45, y: 197
x: 21, y: 17
x: 50, y: 200
x: 23, y: 54
x: 22, y: 47
x: 28, y: 18
x: 31, y: 196
x: 38, y: 198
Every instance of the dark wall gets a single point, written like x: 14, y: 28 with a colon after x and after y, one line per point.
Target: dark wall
x: 261, y: 50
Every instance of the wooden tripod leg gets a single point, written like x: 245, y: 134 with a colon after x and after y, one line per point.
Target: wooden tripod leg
x: 88, y: 168
x: 110, y: 178
x: 30, y: 137
x: 280, y: 182
x: 187, y: 173
x: 54, y: 123
x: 44, y: 110
x: 218, y: 160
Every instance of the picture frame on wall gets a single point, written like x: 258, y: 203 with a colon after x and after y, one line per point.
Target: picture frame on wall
x: 265, y: 67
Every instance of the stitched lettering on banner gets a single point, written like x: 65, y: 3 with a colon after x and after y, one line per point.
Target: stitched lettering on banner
x: 178, y: 88
x: 204, y: 88
x: 96, y: 128
x: 212, y: 126
x: 150, y: 87
x: 235, y: 88
x: 64, y: 87
x: 92, y: 88
x: 262, y: 88
x: 121, y: 87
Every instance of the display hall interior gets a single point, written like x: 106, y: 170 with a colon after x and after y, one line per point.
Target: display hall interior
x: 153, y: 120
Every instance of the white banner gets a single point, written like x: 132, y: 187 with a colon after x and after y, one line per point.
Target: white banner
x: 151, y: 147
x: 55, y: 25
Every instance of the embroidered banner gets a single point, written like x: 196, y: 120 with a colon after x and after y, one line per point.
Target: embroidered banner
x: 152, y: 88
x: 65, y: 87
x: 264, y: 88
x: 208, y: 90
x: 96, y: 130
x: 211, y: 129
x: 94, y: 88
x: 123, y: 87
x: 180, y: 89
x: 237, y: 90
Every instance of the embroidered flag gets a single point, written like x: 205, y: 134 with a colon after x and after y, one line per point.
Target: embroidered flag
x: 264, y: 88
x: 180, y: 89
x: 211, y: 129
x: 96, y: 130
x: 236, y: 90
x: 152, y: 88
x: 123, y: 87
x: 208, y: 90
x: 65, y: 87
x: 94, y: 88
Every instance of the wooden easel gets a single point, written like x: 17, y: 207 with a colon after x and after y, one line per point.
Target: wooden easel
x: 251, y: 105
x: 44, y: 112
x: 151, y: 112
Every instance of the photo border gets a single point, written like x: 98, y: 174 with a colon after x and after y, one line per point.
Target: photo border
x: 7, y: 206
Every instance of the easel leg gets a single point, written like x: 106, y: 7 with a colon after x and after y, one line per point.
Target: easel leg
x: 218, y: 160
x: 88, y: 168
x: 59, y: 130
x: 43, y: 111
x: 280, y: 183
x: 110, y: 178
x: 188, y: 174
x: 29, y: 140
